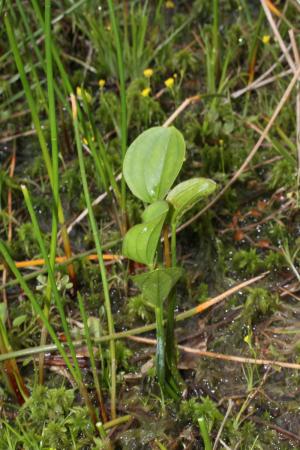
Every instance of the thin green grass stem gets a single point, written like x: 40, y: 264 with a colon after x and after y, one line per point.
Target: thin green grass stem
x: 92, y: 357
x: 33, y: 67
x: 58, y: 303
x: 10, y: 370
x: 58, y: 300
x: 55, y: 183
x: 39, y: 312
x: 121, y: 71
x: 95, y: 232
x: 38, y: 32
x: 100, y: 158
x: 160, y: 347
x: 40, y: 134
x: 171, y: 351
x: 204, y: 433
x: 30, y: 99
x: 215, y: 42
x: 37, y: 308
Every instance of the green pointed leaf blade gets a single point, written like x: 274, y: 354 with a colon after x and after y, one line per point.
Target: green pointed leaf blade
x: 153, y: 161
x: 140, y: 242
x: 186, y: 194
x: 157, y: 284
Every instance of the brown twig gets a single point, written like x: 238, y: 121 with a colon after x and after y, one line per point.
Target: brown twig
x: 221, y: 356
x: 6, y: 139
x: 286, y: 433
x: 188, y: 101
x: 280, y: 41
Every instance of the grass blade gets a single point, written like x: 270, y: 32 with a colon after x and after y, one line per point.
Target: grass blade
x: 100, y: 255
x: 121, y: 70
x: 92, y: 357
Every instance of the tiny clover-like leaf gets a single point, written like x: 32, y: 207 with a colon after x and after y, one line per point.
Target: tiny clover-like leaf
x: 153, y: 161
x: 157, y: 284
x: 140, y: 242
x: 186, y: 194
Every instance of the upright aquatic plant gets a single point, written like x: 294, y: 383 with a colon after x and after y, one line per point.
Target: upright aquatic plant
x: 151, y: 165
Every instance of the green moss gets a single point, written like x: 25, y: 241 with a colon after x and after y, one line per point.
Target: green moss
x: 49, y: 418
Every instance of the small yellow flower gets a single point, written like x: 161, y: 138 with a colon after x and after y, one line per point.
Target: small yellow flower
x: 86, y: 142
x: 145, y: 92
x: 170, y: 4
x: 247, y: 339
x: 266, y: 39
x: 169, y: 83
x: 148, y: 73
x: 102, y: 83
x: 80, y: 92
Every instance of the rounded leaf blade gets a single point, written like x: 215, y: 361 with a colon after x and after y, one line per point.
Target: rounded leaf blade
x: 157, y: 284
x: 140, y: 242
x: 153, y: 161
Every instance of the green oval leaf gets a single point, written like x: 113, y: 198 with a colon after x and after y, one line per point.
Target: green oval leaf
x: 3, y: 312
x: 157, y: 284
x: 140, y: 242
x: 186, y: 194
x: 18, y: 321
x: 153, y: 161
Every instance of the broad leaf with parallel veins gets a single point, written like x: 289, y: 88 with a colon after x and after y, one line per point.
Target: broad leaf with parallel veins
x: 186, y: 194
x: 153, y: 161
x: 157, y: 284
x: 140, y: 242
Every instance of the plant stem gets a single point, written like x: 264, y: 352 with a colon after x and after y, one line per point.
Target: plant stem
x: 119, y: 421
x: 171, y: 353
x: 37, y: 308
x: 100, y: 256
x: 160, y: 348
x: 121, y: 71
x: 58, y: 302
x: 173, y: 244
x: 10, y: 370
x: 40, y: 134
x: 167, y: 246
x: 215, y: 42
x: 55, y: 183
x: 92, y: 358
x: 204, y: 433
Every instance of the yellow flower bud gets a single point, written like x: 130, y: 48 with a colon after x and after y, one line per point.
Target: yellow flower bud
x: 82, y: 92
x: 145, y: 92
x: 169, y: 83
x: 266, y: 39
x: 148, y: 73
x: 170, y: 4
x: 102, y: 83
